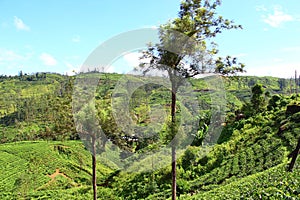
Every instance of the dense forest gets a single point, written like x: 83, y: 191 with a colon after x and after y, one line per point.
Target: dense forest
x: 43, y: 157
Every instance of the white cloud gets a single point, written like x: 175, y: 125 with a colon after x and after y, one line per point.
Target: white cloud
x: 20, y: 25
x: 71, y: 69
x: 277, y: 18
x: 76, y: 38
x: 12, y: 61
x: 112, y: 69
x: 132, y: 59
x: 276, y: 69
x: 9, y: 55
x: 48, y: 59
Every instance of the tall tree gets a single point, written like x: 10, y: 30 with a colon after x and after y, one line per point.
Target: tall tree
x: 183, y: 58
x: 91, y: 133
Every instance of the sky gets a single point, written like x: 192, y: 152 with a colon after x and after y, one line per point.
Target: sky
x: 58, y: 36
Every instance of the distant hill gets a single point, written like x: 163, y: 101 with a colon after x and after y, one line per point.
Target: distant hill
x: 38, y: 106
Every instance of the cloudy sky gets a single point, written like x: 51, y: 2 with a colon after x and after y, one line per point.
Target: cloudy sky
x: 58, y: 36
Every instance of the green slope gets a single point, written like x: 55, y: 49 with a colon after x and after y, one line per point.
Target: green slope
x: 43, y: 170
x: 247, y: 163
x: 274, y: 183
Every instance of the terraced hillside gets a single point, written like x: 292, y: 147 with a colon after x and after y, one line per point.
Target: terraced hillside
x: 250, y: 162
x: 48, y: 170
x: 41, y: 156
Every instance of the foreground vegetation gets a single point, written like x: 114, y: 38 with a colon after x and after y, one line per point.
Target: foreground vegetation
x: 41, y: 156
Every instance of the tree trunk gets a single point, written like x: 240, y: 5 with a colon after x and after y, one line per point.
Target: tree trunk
x: 173, y: 172
x: 173, y: 123
x: 94, y: 178
x: 294, y: 156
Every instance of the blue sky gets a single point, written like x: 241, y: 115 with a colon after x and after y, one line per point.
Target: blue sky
x: 58, y: 36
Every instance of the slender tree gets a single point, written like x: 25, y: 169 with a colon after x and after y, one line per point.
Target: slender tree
x: 198, y: 21
x: 90, y: 132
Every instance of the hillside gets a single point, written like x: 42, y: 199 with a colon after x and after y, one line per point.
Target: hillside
x: 249, y: 162
x: 48, y: 170
x: 39, y: 105
x: 43, y: 158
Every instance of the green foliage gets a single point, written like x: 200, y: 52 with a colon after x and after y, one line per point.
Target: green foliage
x: 42, y: 109
x: 247, y: 149
x: 257, y: 99
x: 189, y: 157
x: 27, y: 166
x: 44, y: 103
x: 274, y: 183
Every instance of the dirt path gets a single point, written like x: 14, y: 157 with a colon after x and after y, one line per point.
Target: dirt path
x: 55, y: 174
